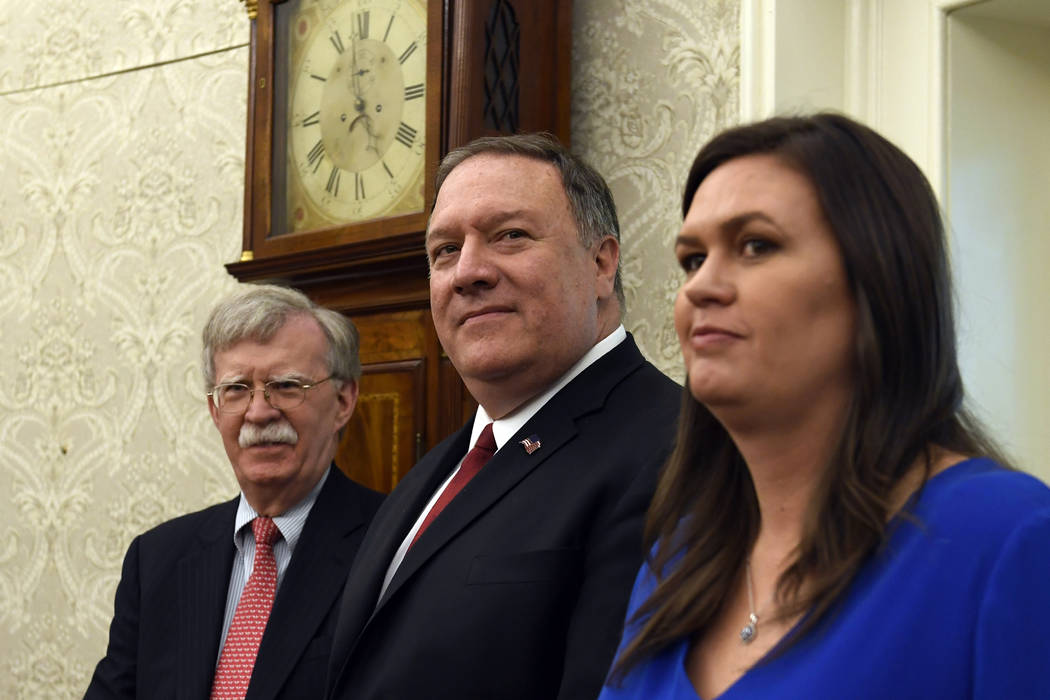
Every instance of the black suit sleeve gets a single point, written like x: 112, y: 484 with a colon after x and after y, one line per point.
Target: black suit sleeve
x: 115, y: 674
x: 611, y: 564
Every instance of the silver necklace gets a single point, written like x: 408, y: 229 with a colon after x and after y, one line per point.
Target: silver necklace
x: 750, y: 630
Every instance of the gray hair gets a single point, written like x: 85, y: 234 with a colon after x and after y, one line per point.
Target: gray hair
x: 258, y: 312
x: 590, y: 200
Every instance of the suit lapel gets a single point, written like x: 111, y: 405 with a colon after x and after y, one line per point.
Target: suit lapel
x: 555, y: 424
x: 314, y: 578
x: 204, y: 580
x: 507, y: 467
x: 390, y: 525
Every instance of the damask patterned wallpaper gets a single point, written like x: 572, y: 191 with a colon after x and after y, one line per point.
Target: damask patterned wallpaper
x: 652, y: 81
x: 122, y: 156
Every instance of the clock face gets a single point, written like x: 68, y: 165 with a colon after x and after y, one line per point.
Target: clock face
x: 357, y: 111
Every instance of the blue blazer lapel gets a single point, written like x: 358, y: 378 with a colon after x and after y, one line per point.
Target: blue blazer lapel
x: 204, y: 580
x: 315, y: 577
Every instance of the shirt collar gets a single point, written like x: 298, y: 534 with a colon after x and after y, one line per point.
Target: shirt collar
x: 505, y: 428
x: 290, y: 523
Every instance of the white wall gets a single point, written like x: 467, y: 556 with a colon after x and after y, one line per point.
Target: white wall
x: 999, y: 211
x: 809, y: 51
x: 885, y: 62
x: 875, y: 60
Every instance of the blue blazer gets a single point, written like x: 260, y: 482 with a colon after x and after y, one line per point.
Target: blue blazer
x: 170, y: 602
x: 519, y: 587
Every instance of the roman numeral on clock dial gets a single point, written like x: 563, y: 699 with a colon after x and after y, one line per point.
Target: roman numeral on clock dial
x: 405, y: 135
x: 337, y: 41
x: 408, y: 52
x: 333, y: 181
x: 316, y: 153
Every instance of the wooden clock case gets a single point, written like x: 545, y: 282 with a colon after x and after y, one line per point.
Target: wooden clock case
x: 493, y: 67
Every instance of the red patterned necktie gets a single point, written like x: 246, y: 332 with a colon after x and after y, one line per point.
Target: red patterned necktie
x: 249, y: 620
x: 482, y: 451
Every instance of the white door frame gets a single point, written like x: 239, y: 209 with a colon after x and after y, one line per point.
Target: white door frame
x: 908, y: 106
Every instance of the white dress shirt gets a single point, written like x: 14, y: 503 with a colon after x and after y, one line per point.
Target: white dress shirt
x: 290, y: 524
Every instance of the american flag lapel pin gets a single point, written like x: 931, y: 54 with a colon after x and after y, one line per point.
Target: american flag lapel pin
x: 531, y: 444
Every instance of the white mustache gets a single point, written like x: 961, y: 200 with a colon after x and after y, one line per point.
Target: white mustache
x: 280, y: 431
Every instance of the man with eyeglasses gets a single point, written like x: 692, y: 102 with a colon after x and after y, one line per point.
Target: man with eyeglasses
x: 240, y: 599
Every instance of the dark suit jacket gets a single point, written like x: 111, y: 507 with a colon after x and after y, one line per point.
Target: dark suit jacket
x: 170, y: 602
x: 518, y: 588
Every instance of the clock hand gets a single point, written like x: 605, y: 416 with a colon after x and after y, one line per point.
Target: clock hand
x: 355, y: 81
x: 358, y: 118
x: 368, y: 130
x: 355, y: 74
x: 371, y: 134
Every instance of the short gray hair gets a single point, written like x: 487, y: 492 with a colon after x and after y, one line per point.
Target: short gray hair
x: 590, y: 200
x: 258, y: 312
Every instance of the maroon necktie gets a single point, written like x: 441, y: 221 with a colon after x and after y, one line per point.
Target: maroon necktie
x: 249, y: 620
x: 482, y: 451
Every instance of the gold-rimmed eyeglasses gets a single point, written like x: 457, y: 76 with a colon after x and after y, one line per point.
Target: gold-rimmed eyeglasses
x: 282, y: 394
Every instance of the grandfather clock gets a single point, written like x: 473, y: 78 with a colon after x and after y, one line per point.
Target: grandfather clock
x: 351, y: 104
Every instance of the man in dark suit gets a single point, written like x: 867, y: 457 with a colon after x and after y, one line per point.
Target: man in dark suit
x: 513, y: 582
x: 240, y: 599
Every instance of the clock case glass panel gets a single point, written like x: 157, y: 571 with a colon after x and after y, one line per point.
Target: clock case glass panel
x: 356, y: 76
x: 384, y: 187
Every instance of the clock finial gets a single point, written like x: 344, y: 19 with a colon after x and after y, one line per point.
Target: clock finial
x: 251, y: 7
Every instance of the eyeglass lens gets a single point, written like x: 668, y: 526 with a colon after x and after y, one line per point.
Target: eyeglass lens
x: 282, y: 395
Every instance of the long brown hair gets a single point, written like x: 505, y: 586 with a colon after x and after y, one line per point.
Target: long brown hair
x: 907, y: 394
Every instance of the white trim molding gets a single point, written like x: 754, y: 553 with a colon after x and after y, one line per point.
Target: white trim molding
x: 937, y: 165
x: 863, y: 54
x: 893, y: 67
x: 757, y: 59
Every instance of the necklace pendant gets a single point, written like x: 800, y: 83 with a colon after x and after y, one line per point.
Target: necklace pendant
x: 750, y: 630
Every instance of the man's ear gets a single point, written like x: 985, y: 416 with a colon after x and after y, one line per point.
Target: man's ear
x: 607, y: 259
x: 214, y: 411
x: 346, y: 399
